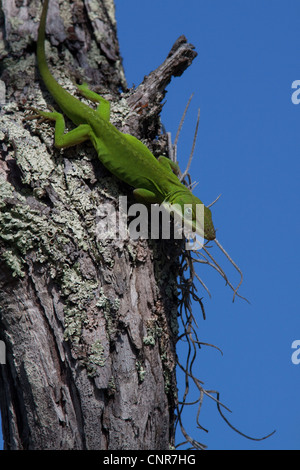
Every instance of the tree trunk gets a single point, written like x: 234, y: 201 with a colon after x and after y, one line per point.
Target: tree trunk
x: 89, y: 324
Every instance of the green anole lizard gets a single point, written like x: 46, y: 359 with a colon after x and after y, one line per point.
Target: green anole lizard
x: 122, y: 154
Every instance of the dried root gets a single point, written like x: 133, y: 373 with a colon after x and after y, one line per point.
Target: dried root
x: 187, y: 279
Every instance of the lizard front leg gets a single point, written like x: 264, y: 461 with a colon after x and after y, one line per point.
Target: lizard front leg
x: 145, y: 196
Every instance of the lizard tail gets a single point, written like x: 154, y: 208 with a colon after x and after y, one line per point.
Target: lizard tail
x: 53, y: 87
x: 41, y: 56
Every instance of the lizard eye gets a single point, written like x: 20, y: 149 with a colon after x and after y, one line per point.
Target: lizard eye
x: 188, y: 211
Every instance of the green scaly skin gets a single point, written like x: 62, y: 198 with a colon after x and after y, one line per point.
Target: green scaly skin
x: 122, y: 154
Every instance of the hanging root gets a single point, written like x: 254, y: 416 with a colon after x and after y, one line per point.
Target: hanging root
x: 187, y: 287
x: 213, y: 263
x: 190, y: 338
x: 182, y: 120
x: 212, y: 203
x: 222, y: 272
x: 193, y: 149
x: 173, y: 148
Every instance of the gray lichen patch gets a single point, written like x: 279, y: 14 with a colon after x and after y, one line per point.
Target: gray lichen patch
x: 21, y: 228
x: 153, y: 333
x: 6, y: 192
x: 31, y: 155
x: 74, y: 321
x: 110, y: 308
x: 76, y: 288
x: 79, y: 294
x: 14, y: 262
x: 95, y: 358
x: 50, y: 219
x: 141, y: 371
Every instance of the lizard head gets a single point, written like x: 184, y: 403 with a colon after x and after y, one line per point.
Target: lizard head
x: 192, y: 212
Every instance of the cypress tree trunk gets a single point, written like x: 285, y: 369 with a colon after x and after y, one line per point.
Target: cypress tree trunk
x: 89, y: 324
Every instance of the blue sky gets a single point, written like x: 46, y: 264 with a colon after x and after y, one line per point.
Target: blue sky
x: 248, y: 150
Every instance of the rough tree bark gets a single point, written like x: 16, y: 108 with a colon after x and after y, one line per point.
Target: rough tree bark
x: 89, y: 325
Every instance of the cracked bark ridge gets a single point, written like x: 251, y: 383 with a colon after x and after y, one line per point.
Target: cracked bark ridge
x: 150, y: 93
x: 89, y: 324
